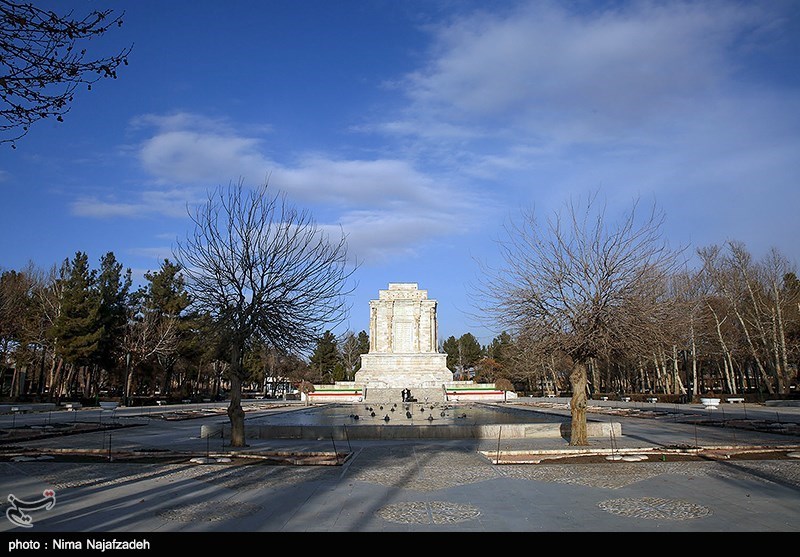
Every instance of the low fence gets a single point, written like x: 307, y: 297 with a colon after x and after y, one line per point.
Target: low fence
x: 345, y: 432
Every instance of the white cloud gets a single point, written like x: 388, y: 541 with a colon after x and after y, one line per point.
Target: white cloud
x: 170, y: 202
x: 181, y: 151
x: 182, y: 121
x: 529, y: 105
x: 375, y: 236
x: 93, y: 207
x: 568, y: 76
x: 387, y: 206
x: 190, y: 157
x: 360, y: 183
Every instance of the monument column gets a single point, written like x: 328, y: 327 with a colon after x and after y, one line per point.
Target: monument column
x: 417, y: 310
x: 373, y: 327
x: 389, y: 326
x: 435, y: 326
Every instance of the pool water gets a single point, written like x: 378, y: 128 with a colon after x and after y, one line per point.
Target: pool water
x: 405, y: 414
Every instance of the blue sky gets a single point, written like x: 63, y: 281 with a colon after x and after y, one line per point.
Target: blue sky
x: 420, y: 127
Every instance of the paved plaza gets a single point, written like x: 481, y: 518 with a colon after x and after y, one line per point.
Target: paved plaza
x: 423, y: 485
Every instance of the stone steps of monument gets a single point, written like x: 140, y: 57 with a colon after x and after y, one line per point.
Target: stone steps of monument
x: 375, y: 395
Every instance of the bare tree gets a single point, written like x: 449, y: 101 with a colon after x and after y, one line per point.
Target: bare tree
x: 757, y: 301
x: 146, y: 335
x: 42, y: 62
x: 350, y: 350
x: 264, y: 270
x: 582, y: 286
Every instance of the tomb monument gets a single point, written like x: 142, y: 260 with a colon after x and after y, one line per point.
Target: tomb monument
x: 404, y: 363
x: 403, y: 349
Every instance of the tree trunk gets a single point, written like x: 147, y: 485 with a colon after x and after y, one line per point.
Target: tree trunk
x: 127, y: 392
x: 662, y: 377
x: 41, y: 385
x: 57, y: 372
x: 577, y: 378
x: 199, y: 369
x: 728, y: 375
x: 66, y: 381
x: 13, y: 392
x: 756, y: 358
x: 695, y: 390
x: 235, y: 411
x: 595, y: 377
x: 780, y: 368
x: 644, y: 381
x: 168, y: 367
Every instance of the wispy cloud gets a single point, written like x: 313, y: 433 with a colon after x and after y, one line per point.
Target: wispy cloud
x: 93, y: 207
x: 375, y: 236
x: 360, y: 183
x: 551, y: 99
x: 577, y: 76
x: 171, y: 202
x: 526, y: 104
x: 385, y: 205
x: 191, y: 157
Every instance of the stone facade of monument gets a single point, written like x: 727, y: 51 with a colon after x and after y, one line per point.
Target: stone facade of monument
x: 403, y: 337
x: 404, y: 354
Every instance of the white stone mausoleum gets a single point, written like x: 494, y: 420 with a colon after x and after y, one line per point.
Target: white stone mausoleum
x: 403, y: 351
x: 404, y: 354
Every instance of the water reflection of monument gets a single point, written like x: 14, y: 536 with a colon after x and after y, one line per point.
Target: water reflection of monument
x: 404, y: 355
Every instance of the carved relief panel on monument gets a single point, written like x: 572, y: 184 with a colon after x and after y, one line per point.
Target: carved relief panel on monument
x: 403, y: 330
x: 403, y: 320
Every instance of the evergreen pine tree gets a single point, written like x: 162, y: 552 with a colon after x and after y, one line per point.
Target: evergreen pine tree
x: 77, y: 327
x: 363, y: 347
x: 326, y: 356
x: 113, y: 290
x: 167, y: 298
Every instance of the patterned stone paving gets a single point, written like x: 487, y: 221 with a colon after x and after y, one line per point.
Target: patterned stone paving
x: 610, y: 476
x: 257, y: 476
x: 780, y: 471
x: 620, y: 474
x: 62, y: 475
x: 654, y: 508
x: 208, y: 511
x: 72, y: 475
x: 414, y: 468
x: 420, y: 469
x: 428, y: 512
